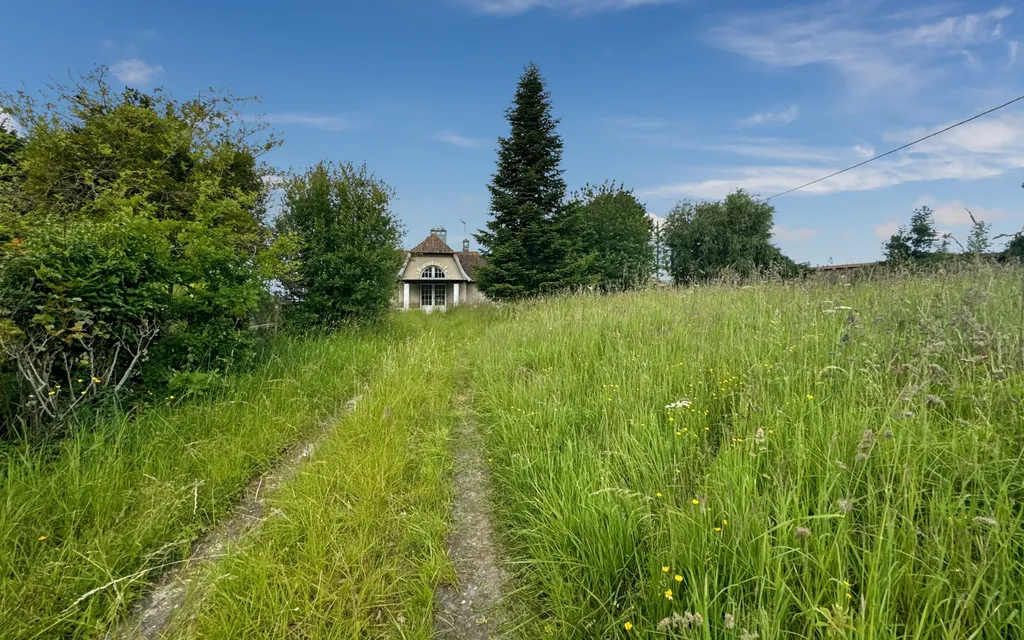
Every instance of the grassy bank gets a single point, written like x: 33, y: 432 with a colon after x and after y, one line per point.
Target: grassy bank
x: 844, y: 461
x: 87, y: 523
x: 355, y: 545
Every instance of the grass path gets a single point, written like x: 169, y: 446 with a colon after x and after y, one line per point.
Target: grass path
x: 88, y: 523
x: 471, y: 609
x: 171, y: 591
x: 355, y: 546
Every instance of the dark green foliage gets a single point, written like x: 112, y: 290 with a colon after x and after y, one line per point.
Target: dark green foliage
x: 920, y: 243
x: 923, y: 237
x: 348, y: 244
x: 529, y: 247
x: 708, y: 239
x: 897, y: 248
x: 132, y: 230
x: 617, y: 233
x: 10, y: 145
x: 980, y: 239
x: 1014, y: 251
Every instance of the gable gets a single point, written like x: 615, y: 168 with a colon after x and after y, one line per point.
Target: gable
x: 415, y: 265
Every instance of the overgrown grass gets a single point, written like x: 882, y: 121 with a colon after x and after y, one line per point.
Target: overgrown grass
x: 355, y: 545
x: 849, y: 465
x: 85, y: 524
x: 840, y: 461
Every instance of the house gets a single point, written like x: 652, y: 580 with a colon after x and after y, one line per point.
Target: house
x: 435, y: 277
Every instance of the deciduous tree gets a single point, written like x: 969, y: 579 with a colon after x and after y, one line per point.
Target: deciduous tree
x: 617, y: 233
x: 349, y: 243
x: 707, y: 239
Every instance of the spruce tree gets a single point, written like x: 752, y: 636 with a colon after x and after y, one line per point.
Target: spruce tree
x: 527, y: 247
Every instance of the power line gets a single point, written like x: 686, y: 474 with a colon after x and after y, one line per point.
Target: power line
x: 909, y: 144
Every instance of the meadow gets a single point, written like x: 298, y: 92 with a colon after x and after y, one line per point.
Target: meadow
x: 769, y: 461
x: 741, y: 460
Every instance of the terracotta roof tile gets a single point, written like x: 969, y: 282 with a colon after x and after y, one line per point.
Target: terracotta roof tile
x: 433, y: 244
x: 470, y: 261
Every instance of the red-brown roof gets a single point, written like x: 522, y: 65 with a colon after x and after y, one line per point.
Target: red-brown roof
x: 433, y: 244
x: 470, y: 260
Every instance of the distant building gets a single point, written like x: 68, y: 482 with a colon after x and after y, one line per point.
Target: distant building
x: 435, y: 277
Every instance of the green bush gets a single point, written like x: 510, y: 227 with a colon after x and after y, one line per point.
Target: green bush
x: 133, y: 230
x: 348, y: 244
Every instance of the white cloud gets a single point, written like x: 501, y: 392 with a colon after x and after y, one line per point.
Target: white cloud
x: 864, y: 150
x: 887, y: 229
x: 1013, y: 46
x: 961, y: 30
x: 135, y: 71
x: 9, y: 123
x: 330, y: 123
x: 451, y: 137
x: 765, y: 148
x: 516, y: 7
x: 895, y: 54
x: 273, y: 180
x: 955, y: 213
x: 978, y: 150
x: 786, y: 234
x: 656, y: 219
x: 783, y: 117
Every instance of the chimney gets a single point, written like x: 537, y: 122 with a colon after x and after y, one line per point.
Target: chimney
x: 442, y: 233
x: 465, y: 245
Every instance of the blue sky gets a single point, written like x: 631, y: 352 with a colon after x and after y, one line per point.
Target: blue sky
x: 677, y: 99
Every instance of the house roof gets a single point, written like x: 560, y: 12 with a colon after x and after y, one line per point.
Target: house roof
x: 470, y: 261
x: 433, y: 244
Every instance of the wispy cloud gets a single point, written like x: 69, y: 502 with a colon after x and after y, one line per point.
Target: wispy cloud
x: 516, y: 7
x: 897, y: 53
x: 786, y: 234
x: 978, y: 150
x: 454, y: 138
x: 328, y: 122
x: 887, y: 229
x: 760, y: 147
x: 135, y: 71
x: 1012, y: 47
x: 954, y: 214
x: 784, y: 117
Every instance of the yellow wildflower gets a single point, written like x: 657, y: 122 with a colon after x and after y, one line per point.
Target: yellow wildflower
x: 679, y: 578
x: 810, y: 397
x: 53, y: 393
x: 668, y: 594
x: 96, y: 380
x: 695, y: 501
x: 657, y: 495
x: 41, y: 538
x: 718, y: 529
x: 664, y: 569
x: 725, y: 522
x: 628, y: 626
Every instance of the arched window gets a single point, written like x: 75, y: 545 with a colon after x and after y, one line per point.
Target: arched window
x: 432, y: 271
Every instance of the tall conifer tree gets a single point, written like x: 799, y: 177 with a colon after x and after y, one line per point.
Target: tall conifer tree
x: 527, y: 252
